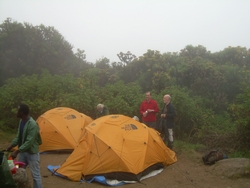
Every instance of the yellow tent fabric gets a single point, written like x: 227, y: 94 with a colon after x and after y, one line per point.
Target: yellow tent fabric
x: 117, y: 147
x: 61, y: 128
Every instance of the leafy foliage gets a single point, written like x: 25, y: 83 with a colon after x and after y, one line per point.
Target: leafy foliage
x: 240, y: 112
x: 122, y: 98
x: 42, y: 93
x: 27, y: 49
x: 210, y: 91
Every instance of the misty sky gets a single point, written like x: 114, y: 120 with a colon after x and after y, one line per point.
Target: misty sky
x: 103, y: 28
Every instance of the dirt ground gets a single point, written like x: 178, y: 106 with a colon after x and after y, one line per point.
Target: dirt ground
x: 189, y: 171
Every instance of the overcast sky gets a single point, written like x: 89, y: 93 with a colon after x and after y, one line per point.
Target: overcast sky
x: 103, y: 28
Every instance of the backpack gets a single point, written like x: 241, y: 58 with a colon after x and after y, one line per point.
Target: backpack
x: 213, y: 156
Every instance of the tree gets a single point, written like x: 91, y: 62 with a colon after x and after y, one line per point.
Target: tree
x: 80, y: 54
x: 236, y: 56
x: 191, y: 52
x: 44, y: 92
x: 102, y: 63
x: 126, y: 58
x: 121, y: 98
x: 27, y: 49
x: 153, y: 71
x: 240, y: 112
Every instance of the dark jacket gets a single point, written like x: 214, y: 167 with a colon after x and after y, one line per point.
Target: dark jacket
x: 170, y: 112
x: 104, y: 112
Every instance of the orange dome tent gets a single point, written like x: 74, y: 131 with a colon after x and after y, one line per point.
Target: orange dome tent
x: 61, y: 128
x: 116, y: 147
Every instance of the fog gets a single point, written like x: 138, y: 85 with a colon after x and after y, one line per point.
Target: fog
x: 103, y: 28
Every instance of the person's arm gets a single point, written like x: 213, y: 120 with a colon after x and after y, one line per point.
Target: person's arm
x: 163, y: 115
x: 171, y: 113
x: 155, y: 108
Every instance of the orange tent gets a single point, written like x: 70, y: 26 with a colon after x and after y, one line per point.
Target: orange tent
x: 61, y: 128
x: 117, y: 147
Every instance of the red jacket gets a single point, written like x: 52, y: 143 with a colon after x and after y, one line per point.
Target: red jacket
x: 151, y: 116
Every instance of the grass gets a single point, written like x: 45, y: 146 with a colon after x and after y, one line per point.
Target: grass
x: 6, y: 136
x: 5, y: 139
x: 191, y: 151
x: 184, y: 147
x: 239, y: 154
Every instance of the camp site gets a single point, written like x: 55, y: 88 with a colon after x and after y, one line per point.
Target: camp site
x: 114, y: 150
x: 127, y: 94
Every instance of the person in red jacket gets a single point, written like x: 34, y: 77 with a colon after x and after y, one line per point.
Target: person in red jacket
x: 148, y: 109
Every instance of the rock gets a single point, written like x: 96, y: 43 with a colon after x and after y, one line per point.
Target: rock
x: 234, y: 167
x: 21, y: 178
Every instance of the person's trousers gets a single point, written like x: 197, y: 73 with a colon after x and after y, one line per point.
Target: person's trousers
x: 33, y: 161
x: 170, y: 134
x: 169, y: 137
x: 151, y: 124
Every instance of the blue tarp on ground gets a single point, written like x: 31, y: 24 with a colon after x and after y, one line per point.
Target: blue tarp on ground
x: 103, y: 180
x: 99, y: 179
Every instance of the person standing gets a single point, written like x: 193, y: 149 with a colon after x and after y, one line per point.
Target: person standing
x: 101, y: 110
x: 28, y: 140
x: 148, y: 109
x: 168, y: 113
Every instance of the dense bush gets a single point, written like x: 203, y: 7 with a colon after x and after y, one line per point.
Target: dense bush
x: 210, y: 91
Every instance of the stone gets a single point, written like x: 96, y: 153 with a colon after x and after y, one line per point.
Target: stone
x: 234, y: 167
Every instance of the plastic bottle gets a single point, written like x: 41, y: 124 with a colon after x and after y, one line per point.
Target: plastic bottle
x: 12, y: 166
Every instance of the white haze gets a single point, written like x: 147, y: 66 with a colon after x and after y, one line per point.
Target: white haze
x: 103, y: 28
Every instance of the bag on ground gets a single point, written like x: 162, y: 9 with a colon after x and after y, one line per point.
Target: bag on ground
x: 211, y: 157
